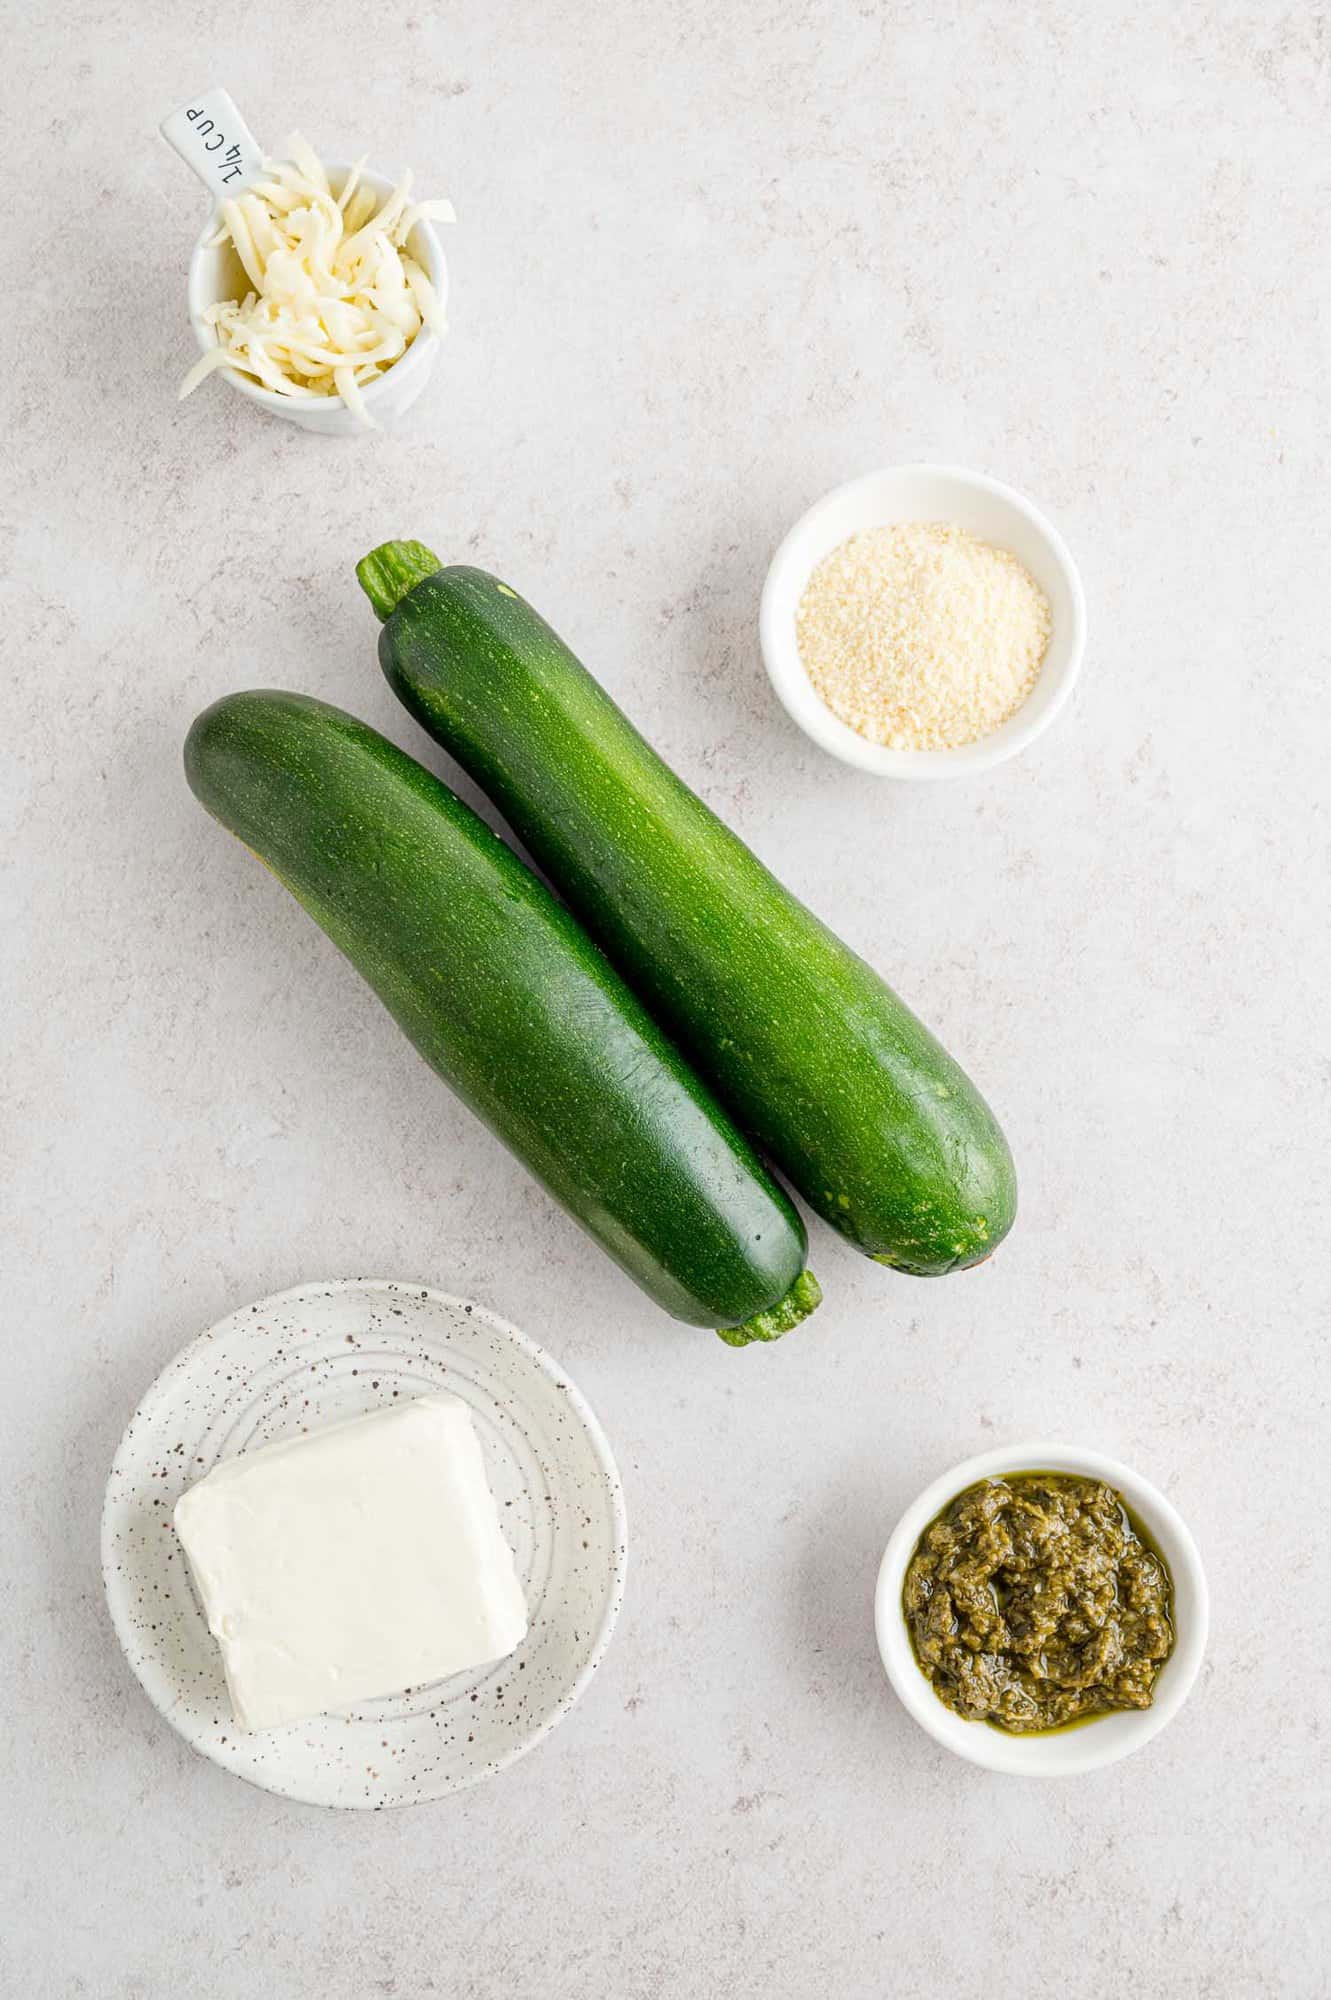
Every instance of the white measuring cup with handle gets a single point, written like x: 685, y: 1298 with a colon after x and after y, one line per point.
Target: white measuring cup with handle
x: 214, y: 141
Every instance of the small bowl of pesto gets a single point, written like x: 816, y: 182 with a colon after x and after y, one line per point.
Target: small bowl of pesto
x: 1041, y: 1610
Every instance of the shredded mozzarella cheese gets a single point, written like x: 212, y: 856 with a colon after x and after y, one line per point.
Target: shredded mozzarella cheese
x: 336, y: 297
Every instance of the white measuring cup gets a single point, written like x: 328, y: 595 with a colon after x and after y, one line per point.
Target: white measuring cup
x: 214, y: 141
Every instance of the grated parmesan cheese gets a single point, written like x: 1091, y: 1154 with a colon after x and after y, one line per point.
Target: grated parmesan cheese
x: 336, y: 298
x: 920, y: 637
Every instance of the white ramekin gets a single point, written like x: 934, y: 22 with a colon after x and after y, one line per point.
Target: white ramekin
x: 1062, y: 1753
x: 216, y: 274
x: 985, y: 508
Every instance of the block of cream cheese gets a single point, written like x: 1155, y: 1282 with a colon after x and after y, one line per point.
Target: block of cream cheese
x: 352, y: 1562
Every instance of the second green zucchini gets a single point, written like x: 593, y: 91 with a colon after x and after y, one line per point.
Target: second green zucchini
x: 837, y: 1080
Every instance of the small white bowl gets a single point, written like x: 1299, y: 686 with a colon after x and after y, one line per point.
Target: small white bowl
x: 990, y: 511
x: 1063, y: 1752
x: 217, y: 274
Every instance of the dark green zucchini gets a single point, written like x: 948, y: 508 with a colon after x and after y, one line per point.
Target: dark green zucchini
x: 839, y: 1083
x: 507, y: 999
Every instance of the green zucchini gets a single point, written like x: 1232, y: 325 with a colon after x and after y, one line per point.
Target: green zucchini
x: 833, y: 1076
x: 511, y: 1004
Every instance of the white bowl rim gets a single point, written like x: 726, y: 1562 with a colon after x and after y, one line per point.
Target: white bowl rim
x: 422, y: 351
x: 1097, y: 1743
x: 786, y: 670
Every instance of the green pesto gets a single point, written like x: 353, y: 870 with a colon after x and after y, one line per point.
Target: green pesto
x: 1038, y: 1602
x: 836, y: 1080
x: 510, y: 1003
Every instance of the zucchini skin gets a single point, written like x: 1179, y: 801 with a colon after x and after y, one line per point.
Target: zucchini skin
x: 510, y: 1003
x: 863, y: 1111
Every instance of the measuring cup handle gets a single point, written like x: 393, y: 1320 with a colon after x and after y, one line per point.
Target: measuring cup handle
x: 211, y: 136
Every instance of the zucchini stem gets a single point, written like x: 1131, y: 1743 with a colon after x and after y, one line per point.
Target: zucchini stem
x: 393, y: 569
x: 802, y: 1299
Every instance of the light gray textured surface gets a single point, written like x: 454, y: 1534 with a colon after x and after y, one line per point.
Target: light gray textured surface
x: 712, y: 260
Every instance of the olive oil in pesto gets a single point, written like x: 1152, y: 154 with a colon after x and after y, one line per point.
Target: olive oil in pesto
x: 1036, y: 1602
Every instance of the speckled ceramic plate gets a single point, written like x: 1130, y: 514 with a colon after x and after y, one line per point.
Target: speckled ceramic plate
x: 308, y: 1357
